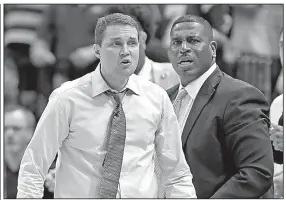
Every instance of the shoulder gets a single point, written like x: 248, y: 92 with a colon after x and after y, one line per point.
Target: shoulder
x: 70, y: 88
x: 237, y: 88
x: 236, y: 96
x: 241, y: 102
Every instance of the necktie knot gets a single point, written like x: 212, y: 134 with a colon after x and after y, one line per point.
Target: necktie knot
x: 178, y: 101
x: 117, y: 95
x: 183, y: 92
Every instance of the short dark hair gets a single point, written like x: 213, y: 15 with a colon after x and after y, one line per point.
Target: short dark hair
x: 195, y: 18
x: 141, y: 13
x: 29, y: 116
x: 112, y: 19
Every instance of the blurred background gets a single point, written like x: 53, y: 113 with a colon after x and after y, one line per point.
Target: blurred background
x: 46, y: 45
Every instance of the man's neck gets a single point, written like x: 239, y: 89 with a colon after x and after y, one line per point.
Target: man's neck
x: 140, y: 65
x: 115, y: 82
x: 187, y: 81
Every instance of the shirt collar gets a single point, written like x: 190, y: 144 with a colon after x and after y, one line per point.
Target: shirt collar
x: 100, y: 86
x: 194, y: 87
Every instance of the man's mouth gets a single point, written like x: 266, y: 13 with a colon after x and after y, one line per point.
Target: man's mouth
x: 126, y: 62
x: 185, y: 62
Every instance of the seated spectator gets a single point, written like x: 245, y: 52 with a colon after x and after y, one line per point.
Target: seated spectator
x: 19, y: 124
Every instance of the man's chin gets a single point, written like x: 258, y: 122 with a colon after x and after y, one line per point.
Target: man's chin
x: 127, y: 71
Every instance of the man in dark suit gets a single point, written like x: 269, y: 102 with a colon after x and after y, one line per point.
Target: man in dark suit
x: 224, y: 121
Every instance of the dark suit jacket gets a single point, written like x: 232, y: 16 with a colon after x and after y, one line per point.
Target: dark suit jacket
x: 226, y: 140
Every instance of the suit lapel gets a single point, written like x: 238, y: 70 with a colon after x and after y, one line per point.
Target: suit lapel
x: 204, y: 95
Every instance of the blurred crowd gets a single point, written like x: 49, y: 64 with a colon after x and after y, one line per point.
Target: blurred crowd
x: 46, y: 45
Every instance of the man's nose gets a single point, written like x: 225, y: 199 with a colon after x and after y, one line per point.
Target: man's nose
x: 9, y: 132
x: 185, y: 47
x: 124, y: 50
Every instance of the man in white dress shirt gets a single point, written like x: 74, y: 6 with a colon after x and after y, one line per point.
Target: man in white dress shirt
x: 75, y: 125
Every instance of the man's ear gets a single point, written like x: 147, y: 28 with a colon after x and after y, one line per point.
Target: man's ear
x: 213, y: 46
x: 143, y: 38
x: 96, y: 48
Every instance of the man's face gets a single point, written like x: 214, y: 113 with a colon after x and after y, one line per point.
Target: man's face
x: 191, y: 51
x: 119, y: 51
x: 17, y: 133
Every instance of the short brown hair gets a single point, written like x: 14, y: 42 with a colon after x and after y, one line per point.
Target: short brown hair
x: 112, y: 19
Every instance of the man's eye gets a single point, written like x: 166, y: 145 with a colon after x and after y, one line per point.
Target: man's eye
x: 194, y: 41
x: 176, y: 42
x: 116, y: 43
x: 132, y: 43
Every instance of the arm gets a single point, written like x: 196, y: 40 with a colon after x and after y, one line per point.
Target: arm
x: 246, y: 128
x: 176, y: 174
x: 51, y: 130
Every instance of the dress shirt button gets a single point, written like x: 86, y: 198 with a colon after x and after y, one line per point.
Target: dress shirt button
x: 163, y: 76
x: 123, y: 174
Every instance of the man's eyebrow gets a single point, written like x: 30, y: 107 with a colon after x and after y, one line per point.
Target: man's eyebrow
x: 188, y: 36
x: 176, y: 38
x: 115, y: 38
x: 119, y: 38
x: 133, y: 38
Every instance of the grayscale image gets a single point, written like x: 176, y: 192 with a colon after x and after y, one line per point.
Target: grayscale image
x: 143, y: 101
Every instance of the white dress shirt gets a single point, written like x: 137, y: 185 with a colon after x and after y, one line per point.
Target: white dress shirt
x: 74, y: 125
x: 193, y: 89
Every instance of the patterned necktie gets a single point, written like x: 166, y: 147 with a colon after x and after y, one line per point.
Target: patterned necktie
x: 178, y: 101
x: 113, y: 159
x: 161, y: 190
